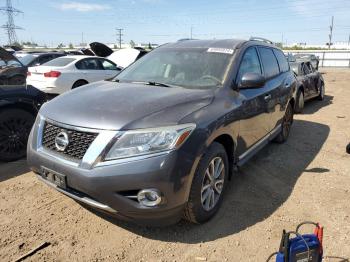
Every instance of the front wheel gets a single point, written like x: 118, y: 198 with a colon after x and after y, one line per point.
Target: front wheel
x: 321, y: 93
x: 15, y: 126
x: 299, y: 105
x: 208, y: 185
x: 286, y: 125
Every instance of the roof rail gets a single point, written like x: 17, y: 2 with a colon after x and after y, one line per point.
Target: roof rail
x: 253, y: 38
x: 185, y: 39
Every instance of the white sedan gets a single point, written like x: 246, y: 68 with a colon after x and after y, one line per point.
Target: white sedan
x: 65, y: 73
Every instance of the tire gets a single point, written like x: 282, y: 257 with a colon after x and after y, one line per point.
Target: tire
x: 299, y: 104
x: 17, y: 80
x: 286, y: 125
x: 15, y: 126
x: 200, y: 206
x: 322, y: 92
x: 79, y: 83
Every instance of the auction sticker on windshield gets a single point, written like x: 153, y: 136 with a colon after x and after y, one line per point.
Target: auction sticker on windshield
x: 220, y: 50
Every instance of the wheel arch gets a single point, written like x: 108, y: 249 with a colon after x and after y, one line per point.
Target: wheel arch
x: 82, y: 80
x: 229, y: 144
x: 19, y: 105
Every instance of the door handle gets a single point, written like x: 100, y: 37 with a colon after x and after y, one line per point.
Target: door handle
x: 267, y: 97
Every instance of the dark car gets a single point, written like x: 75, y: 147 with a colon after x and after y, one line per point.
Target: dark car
x: 14, y: 66
x: 18, y: 108
x: 310, y: 84
x: 36, y: 59
x: 308, y: 57
x: 12, y: 71
x: 162, y: 139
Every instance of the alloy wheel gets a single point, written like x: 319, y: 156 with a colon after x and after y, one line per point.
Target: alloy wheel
x: 213, y: 182
x: 13, y: 135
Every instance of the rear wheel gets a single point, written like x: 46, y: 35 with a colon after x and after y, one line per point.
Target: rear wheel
x: 79, y: 83
x: 15, y: 126
x: 321, y: 93
x: 286, y: 125
x: 208, y: 185
x: 299, y: 105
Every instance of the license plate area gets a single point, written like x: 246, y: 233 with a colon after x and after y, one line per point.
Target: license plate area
x: 54, y: 177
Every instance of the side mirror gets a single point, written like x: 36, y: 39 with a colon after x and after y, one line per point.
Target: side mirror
x: 252, y: 80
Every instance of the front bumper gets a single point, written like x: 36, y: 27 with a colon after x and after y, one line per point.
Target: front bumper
x: 107, y: 187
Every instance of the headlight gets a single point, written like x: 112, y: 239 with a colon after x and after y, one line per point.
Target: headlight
x: 149, y: 141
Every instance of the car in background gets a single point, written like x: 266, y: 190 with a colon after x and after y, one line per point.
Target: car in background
x: 68, y: 72
x: 308, y: 57
x: 14, y: 65
x: 310, y: 83
x: 161, y: 140
x: 12, y: 71
x: 36, y: 59
x: 123, y: 57
x: 19, y: 106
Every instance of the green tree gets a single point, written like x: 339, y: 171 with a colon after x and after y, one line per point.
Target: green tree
x: 17, y: 44
x: 279, y: 45
x: 71, y: 45
x: 150, y: 46
x: 60, y: 45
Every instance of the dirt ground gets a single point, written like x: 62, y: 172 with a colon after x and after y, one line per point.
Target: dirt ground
x: 307, y: 178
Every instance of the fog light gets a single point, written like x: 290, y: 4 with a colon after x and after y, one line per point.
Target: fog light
x: 149, y: 197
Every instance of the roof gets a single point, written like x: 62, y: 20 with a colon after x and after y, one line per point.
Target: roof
x: 224, y: 43
x: 77, y: 57
x: 220, y: 43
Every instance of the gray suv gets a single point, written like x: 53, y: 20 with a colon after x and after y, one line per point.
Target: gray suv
x: 161, y: 141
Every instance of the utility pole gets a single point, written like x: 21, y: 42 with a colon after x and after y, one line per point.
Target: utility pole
x: 10, y: 26
x: 82, y: 39
x: 330, y: 34
x: 119, y: 35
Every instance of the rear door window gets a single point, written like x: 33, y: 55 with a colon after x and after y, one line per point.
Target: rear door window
x: 89, y: 64
x: 282, y: 61
x: 250, y: 63
x: 269, y: 62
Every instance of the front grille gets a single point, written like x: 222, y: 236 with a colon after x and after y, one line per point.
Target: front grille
x: 79, y: 141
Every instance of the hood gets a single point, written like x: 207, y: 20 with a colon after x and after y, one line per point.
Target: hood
x: 123, y: 106
x: 124, y: 57
x: 7, y: 56
x: 100, y: 49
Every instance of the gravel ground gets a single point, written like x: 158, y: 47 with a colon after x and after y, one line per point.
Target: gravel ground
x: 307, y: 178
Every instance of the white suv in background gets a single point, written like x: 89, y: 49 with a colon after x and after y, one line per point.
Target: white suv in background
x: 65, y: 73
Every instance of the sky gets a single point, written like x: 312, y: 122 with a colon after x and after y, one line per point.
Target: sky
x: 50, y: 22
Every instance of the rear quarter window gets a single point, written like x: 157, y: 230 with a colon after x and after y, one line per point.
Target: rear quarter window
x: 269, y: 62
x: 282, y: 61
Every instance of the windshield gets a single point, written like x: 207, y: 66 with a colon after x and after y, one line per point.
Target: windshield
x: 26, y: 60
x: 60, y: 62
x: 191, y: 68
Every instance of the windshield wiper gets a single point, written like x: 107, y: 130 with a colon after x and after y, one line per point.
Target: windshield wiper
x: 151, y: 83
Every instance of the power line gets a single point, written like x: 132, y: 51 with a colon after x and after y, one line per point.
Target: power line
x: 119, y: 36
x: 10, y: 26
